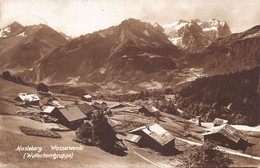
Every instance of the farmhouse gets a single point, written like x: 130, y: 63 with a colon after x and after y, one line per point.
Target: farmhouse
x: 143, y: 110
x: 153, y: 136
x: 33, y: 99
x: 226, y: 135
x: 99, y: 106
x: 87, y: 98
x: 86, y: 109
x: 49, y: 110
x: 219, y: 121
x: 71, y: 117
x: 148, y: 110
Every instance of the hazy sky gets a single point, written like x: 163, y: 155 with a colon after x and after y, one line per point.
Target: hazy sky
x: 76, y: 17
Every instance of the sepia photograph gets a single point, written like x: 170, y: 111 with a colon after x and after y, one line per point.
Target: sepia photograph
x: 129, y: 83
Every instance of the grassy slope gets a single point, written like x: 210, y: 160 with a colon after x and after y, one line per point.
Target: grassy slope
x: 11, y: 137
x: 8, y: 92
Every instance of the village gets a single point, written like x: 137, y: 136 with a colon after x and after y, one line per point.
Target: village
x: 122, y: 127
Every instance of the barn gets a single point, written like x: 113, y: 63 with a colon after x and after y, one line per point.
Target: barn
x: 153, y: 136
x: 227, y: 136
x: 71, y: 117
x: 87, y: 98
x: 86, y: 109
x: 219, y: 121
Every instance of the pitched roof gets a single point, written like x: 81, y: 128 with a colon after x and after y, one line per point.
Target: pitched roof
x: 87, y: 96
x: 220, y: 121
x: 229, y: 132
x: 133, y: 138
x: 49, y: 109
x: 112, y: 122
x: 152, y: 109
x: 30, y: 97
x: 86, y: 108
x: 98, y: 106
x: 121, y: 105
x: 156, y: 132
x: 72, y: 113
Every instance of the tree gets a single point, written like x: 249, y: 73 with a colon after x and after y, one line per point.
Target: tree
x: 207, y: 156
x: 186, y: 126
x: 103, y: 134
x: 6, y: 75
x: 42, y: 87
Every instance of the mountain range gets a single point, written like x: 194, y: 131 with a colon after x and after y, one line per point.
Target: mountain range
x: 195, y: 35
x: 21, y: 47
x: 134, y: 52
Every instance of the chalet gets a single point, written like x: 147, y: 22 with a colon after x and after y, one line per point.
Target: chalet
x: 153, y: 136
x: 219, y: 121
x: 71, y: 117
x: 87, y: 98
x: 227, y: 136
x: 86, y: 109
x: 143, y: 110
x: 33, y: 99
x: 148, y: 110
x: 122, y: 105
x: 49, y: 110
x: 99, y: 106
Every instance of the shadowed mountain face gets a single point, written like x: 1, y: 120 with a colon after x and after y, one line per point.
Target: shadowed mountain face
x: 21, y: 47
x: 195, y: 35
x: 132, y: 52
x: 129, y: 50
x: 232, y: 53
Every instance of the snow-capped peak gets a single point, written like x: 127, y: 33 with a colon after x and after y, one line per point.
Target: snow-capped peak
x: 5, y: 31
x: 198, y: 34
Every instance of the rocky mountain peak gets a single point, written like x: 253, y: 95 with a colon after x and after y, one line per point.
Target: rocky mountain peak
x: 195, y: 35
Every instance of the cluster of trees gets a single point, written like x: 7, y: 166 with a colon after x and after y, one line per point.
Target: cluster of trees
x: 42, y: 87
x: 230, y: 96
x: 103, y: 133
x: 69, y: 90
x: 17, y: 79
x: 166, y: 106
x: 100, y: 133
x: 206, y: 156
x: 143, y: 95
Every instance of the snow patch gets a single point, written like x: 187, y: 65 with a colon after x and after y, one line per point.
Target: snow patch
x: 7, y: 29
x: 176, y: 40
x: 102, y: 70
x: 214, y: 28
x: 146, y: 33
x: 4, y: 31
x: 102, y: 35
x: 170, y: 25
x: 22, y: 34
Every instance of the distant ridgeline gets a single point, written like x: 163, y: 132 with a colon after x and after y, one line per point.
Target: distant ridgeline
x: 231, y: 96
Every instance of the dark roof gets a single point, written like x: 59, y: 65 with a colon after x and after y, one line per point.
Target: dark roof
x: 98, y: 106
x: 229, y: 132
x: 86, y: 108
x: 72, y: 113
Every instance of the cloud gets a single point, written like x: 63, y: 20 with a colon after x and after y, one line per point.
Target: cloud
x: 76, y: 17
